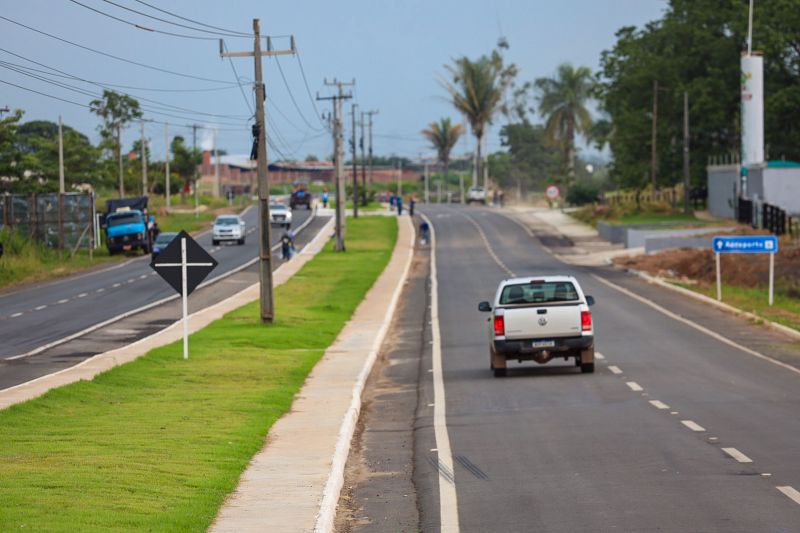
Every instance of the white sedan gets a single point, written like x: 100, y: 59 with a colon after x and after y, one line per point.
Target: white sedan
x: 280, y: 215
x: 228, y: 228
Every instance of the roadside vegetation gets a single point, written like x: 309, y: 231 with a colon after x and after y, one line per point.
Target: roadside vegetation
x: 157, y: 444
x: 631, y: 213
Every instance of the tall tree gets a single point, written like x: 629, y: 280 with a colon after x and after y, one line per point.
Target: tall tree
x: 443, y: 136
x: 116, y: 110
x: 9, y: 153
x: 562, y: 101
x: 477, y: 89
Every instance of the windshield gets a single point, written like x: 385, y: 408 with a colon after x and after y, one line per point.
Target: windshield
x: 278, y: 208
x: 534, y: 293
x: 227, y: 221
x: 128, y: 218
x: 165, y: 238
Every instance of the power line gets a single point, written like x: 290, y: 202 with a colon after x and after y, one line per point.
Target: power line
x: 193, y: 21
x: 145, y: 28
x: 297, y: 107
x: 308, y: 89
x: 238, y: 82
x: 144, y: 65
x: 227, y: 34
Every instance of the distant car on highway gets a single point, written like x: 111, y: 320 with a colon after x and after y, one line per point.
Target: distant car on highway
x: 538, y: 319
x: 476, y: 194
x: 280, y: 215
x: 228, y: 228
x: 162, y: 241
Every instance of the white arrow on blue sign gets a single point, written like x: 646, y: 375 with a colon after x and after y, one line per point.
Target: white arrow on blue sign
x: 745, y: 244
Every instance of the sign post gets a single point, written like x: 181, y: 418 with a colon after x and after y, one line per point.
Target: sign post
x: 747, y: 244
x: 184, y: 264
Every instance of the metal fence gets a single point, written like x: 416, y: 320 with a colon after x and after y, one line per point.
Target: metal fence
x: 56, y: 220
x: 767, y: 216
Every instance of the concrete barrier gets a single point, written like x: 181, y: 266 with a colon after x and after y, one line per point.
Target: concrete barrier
x: 635, y: 238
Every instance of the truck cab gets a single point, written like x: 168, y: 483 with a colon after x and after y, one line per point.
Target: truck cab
x: 540, y: 318
x: 127, y: 225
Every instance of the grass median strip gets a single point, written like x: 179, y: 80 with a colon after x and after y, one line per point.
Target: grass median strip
x: 157, y: 444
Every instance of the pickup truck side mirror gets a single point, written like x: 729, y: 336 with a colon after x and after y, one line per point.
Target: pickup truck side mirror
x: 589, y: 300
x: 484, y: 307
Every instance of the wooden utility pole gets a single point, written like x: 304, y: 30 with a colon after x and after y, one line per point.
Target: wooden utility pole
x: 166, y: 161
x: 194, y: 169
x: 61, y: 186
x: 119, y: 152
x: 355, y: 163
x: 686, y: 152
x: 653, y: 147
x: 215, y: 190
x: 338, y: 154
x: 265, y: 242
x: 143, y: 150
x: 370, y: 113
x: 363, y: 165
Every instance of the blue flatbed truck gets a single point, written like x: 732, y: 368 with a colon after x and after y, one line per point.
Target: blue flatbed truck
x: 128, y: 225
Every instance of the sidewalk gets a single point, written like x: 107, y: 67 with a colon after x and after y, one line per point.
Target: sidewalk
x: 93, y: 366
x: 569, y: 240
x: 293, y: 483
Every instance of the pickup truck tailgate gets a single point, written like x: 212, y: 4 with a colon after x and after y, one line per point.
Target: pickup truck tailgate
x: 543, y: 322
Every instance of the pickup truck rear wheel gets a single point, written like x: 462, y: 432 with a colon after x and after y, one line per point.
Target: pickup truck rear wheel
x: 587, y: 368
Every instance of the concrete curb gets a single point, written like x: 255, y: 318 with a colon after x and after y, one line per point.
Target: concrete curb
x: 88, y: 369
x: 293, y: 483
x: 661, y: 282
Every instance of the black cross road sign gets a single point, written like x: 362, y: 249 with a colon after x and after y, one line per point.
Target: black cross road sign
x: 170, y: 261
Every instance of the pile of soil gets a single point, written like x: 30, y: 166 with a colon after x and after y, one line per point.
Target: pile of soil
x: 747, y: 270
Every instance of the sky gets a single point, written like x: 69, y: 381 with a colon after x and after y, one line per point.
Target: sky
x: 394, y: 49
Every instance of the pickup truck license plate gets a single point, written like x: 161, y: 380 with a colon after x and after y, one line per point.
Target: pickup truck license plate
x: 543, y: 344
x: 126, y: 247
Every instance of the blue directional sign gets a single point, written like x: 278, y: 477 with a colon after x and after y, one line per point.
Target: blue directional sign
x: 745, y: 244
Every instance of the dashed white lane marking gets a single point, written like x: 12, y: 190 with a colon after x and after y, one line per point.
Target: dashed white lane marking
x: 83, y: 295
x: 736, y: 454
x: 634, y: 386
x: 65, y: 300
x: 131, y: 280
x: 598, y: 355
x: 615, y: 369
x: 790, y: 493
x: 39, y: 308
x: 658, y: 404
x: 15, y: 315
x: 116, y: 285
x: 143, y: 276
x: 694, y: 426
x: 100, y: 290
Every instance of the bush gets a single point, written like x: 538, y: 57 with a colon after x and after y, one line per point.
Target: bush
x: 582, y: 194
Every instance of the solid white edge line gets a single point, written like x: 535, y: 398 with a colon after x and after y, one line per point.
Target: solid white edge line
x: 614, y: 368
x: 448, y: 501
x: 698, y: 327
x: 132, y: 312
x: 488, y: 245
x: 736, y: 454
x: 330, y: 497
x: 659, y: 404
x: 635, y: 387
x: 694, y: 426
x: 791, y: 493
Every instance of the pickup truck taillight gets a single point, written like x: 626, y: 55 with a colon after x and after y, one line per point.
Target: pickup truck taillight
x: 499, y: 326
x: 586, y: 321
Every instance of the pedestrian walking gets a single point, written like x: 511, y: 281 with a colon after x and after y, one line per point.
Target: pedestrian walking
x: 425, y: 232
x: 391, y: 201
x: 287, y: 245
x: 411, y: 203
x: 399, y: 202
x: 325, y: 198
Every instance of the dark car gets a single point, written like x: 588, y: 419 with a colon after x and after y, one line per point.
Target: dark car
x: 162, y: 241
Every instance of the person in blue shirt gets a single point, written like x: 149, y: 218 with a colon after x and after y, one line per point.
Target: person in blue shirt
x: 399, y: 202
x: 325, y: 198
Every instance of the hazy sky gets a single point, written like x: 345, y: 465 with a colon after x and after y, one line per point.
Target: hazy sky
x: 394, y: 49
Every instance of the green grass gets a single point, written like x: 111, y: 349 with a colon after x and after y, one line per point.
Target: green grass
x: 186, y: 221
x: 785, y: 309
x: 157, y: 444
x: 657, y: 218
x: 371, y: 206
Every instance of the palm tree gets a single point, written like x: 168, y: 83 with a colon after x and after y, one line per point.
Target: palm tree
x: 562, y: 100
x: 477, y: 91
x: 443, y: 136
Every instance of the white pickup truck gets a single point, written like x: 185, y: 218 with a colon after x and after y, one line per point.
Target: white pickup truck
x: 540, y: 318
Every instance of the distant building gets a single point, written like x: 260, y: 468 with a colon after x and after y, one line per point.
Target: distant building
x: 775, y: 182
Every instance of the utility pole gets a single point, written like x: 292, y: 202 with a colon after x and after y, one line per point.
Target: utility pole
x: 143, y: 148
x: 119, y: 150
x: 427, y: 184
x: 339, y: 156
x: 400, y: 178
x: 215, y: 190
x: 61, y: 187
x: 363, y: 164
x: 654, y: 151
x: 355, y: 164
x: 265, y: 244
x: 686, y: 152
x: 194, y: 169
x: 166, y: 159
x: 5, y: 109
x: 370, y: 113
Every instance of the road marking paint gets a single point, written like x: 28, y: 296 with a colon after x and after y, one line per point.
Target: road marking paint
x: 83, y: 295
x: 116, y: 285
x: 659, y: 404
x: 100, y: 290
x: 634, y: 386
x: 694, y: 426
x: 431, y: 404
x: 131, y: 280
x: 713, y: 439
x: 39, y: 308
x: 15, y: 315
x: 434, y: 449
x: 790, y: 493
x: 489, y: 246
x: 698, y: 327
x: 766, y: 474
x: 614, y: 369
x: 736, y: 454
x: 673, y: 412
x: 143, y: 276
x: 65, y: 300
x: 598, y: 355
x: 448, y: 501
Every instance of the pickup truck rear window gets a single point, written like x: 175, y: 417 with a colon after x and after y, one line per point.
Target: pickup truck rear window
x: 538, y: 293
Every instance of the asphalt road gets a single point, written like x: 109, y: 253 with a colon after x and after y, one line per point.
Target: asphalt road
x: 657, y: 439
x: 40, y: 314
